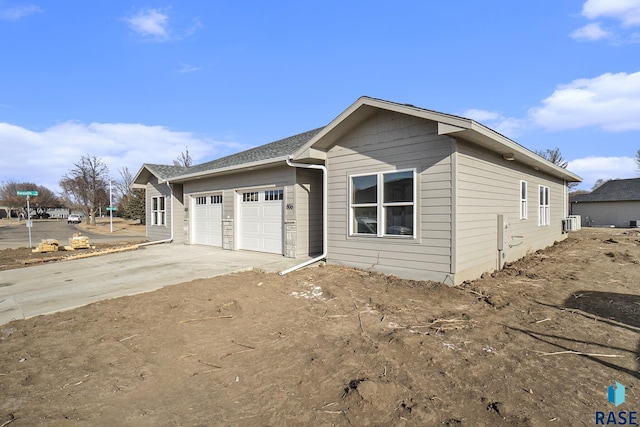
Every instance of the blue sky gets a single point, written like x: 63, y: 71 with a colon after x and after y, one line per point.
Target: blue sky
x: 134, y: 82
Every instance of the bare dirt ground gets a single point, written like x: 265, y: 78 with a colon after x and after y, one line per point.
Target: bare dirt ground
x: 536, y: 344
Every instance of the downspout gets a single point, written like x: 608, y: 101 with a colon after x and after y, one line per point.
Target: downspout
x: 171, y: 238
x: 324, y: 215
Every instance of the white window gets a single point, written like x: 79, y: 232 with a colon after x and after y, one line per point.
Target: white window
x: 544, y: 213
x: 201, y: 200
x: 273, y: 195
x: 523, y: 199
x: 386, y: 198
x: 216, y: 200
x: 250, y: 197
x: 158, y: 212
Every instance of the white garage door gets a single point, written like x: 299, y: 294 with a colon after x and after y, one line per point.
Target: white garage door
x: 207, y: 220
x: 261, y: 221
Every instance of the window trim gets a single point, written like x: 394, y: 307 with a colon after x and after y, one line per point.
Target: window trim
x: 250, y: 196
x: 159, y: 211
x: 524, y: 201
x: 273, y: 195
x: 380, y: 205
x: 544, y: 206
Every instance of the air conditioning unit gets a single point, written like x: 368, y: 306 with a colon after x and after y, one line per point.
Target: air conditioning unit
x: 577, y: 222
x: 572, y: 223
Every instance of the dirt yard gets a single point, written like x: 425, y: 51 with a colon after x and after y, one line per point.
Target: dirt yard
x: 536, y: 344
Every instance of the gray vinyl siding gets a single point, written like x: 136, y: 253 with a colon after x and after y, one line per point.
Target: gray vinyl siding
x: 606, y: 214
x: 163, y: 232
x: 279, y: 176
x: 308, y: 209
x: 486, y: 186
x: 387, y: 142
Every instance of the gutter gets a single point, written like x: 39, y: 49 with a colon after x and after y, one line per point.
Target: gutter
x: 227, y: 169
x: 324, y: 215
x: 169, y: 240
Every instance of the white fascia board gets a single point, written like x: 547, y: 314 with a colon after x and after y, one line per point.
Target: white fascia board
x: 524, y: 154
x: 203, y: 174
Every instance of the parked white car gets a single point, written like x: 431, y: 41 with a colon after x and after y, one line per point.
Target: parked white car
x: 74, y: 219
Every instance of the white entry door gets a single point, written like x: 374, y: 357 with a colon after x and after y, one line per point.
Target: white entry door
x: 207, y: 220
x: 261, y: 221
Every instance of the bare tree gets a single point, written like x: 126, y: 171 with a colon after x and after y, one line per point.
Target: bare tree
x: 554, y: 156
x: 131, y: 202
x: 638, y: 159
x: 123, y: 185
x: 9, y: 197
x: 184, y: 159
x: 599, y: 183
x: 46, y: 199
x: 85, y: 185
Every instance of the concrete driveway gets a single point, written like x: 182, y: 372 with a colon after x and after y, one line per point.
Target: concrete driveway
x: 64, y: 285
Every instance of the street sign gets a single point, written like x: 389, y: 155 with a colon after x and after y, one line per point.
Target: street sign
x: 29, y: 225
x: 27, y: 193
x: 111, y: 208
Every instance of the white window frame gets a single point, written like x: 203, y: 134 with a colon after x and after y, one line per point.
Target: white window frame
x: 380, y: 205
x: 250, y: 196
x: 544, y: 206
x: 524, y: 206
x: 159, y: 211
x: 273, y: 195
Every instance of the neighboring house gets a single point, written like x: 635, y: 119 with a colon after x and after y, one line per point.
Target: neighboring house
x: 411, y: 192
x: 57, y: 213
x: 614, y: 203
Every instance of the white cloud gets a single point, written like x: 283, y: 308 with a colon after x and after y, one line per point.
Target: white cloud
x: 482, y: 116
x: 507, y: 126
x: 44, y: 157
x: 187, y: 68
x: 590, y: 32
x: 626, y: 11
x: 15, y: 13
x: 610, y: 101
x: 593, y: 168
x: 153, y: 25
x: 150, y: 23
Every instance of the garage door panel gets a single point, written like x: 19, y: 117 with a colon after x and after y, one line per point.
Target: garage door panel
x: 273, y: 245
x: 207, y: 220
x: 249, y: 228
x: 272, y: 211
x: 261, y: 214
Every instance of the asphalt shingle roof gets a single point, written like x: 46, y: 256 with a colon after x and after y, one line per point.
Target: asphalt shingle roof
x: 165, y: 171
x: 615, y: 190
x: 281, y: 148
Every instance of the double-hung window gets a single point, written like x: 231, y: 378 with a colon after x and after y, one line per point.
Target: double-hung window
x: 158, y: 212
x: 383, y: 204
x: 544, y: 214
x: 523, y: 199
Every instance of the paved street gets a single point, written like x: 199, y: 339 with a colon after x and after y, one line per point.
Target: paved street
x: 17, y: 235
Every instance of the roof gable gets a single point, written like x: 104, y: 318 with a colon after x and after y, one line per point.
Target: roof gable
x: 448, y: 124
x: 161, y: 172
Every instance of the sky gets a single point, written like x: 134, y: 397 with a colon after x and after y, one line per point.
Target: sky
x: 134, y: 82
